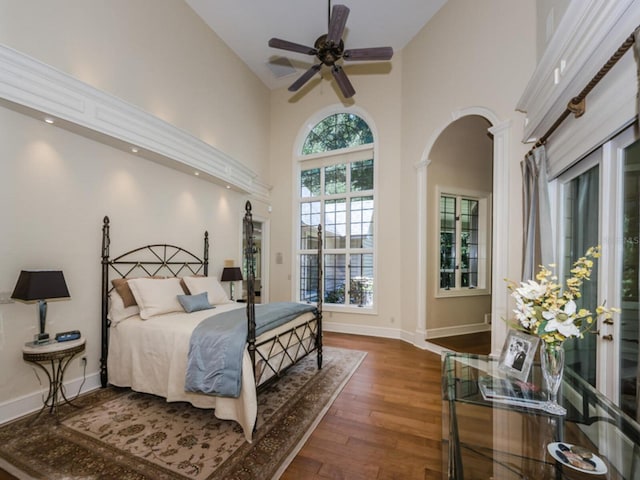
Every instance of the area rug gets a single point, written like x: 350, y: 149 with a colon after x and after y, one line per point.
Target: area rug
x: 124, y: 435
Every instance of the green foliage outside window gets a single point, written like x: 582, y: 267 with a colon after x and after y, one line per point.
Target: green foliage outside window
x: 341, y: 130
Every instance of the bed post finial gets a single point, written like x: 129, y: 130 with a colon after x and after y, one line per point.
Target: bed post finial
x: 247, y: 207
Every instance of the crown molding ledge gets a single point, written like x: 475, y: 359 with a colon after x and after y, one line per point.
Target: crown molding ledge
x: 39, y: 90
x: 588, y: 34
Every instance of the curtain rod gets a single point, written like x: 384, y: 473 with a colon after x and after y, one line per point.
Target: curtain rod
x: 577, y: 104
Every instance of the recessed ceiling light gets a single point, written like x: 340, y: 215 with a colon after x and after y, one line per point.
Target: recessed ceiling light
x: 134, y: 150
x: 48, y: 120
x: 196, y: 173
x: 228, y: 187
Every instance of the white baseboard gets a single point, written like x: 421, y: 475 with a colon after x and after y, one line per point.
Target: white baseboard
x: 414, y: 338
x: 362, y: 330
x: 458, y: 330
x: 19, y: 407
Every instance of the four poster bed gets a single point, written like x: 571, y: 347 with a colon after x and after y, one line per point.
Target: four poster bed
x: 169, y: 329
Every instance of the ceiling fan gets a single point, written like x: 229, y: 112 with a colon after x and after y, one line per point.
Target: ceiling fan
x: 329, y: 48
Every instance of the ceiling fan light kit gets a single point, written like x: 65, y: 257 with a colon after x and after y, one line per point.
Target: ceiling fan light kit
x: 329, y: 49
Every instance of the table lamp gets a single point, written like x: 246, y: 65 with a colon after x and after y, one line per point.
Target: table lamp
x: 231, y: 274
x: 40, y: 285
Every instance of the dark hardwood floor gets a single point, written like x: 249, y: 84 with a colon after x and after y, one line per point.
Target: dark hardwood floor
x: 386, y: 422
x: 472, y: 343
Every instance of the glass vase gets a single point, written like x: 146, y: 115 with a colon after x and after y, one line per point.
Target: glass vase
x: 552, y: 365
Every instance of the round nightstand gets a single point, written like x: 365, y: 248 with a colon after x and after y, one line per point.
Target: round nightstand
x: 53, y: 359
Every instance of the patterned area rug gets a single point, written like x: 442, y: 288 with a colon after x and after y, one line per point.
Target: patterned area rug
x: 120, y: 434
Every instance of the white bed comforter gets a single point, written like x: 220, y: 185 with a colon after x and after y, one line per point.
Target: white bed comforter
x: 150, y: 356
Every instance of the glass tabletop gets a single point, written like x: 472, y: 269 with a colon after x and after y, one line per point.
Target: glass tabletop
x: 497, y: 428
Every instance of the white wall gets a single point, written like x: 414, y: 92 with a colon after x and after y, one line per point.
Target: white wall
x: 56, y: 186
x: 471, y: 54
x: 378, y: 99
x: 156, y: 54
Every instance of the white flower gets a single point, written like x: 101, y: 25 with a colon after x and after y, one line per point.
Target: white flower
x: 525, y: 313
x: 567, y: 327
x: 531, y: 290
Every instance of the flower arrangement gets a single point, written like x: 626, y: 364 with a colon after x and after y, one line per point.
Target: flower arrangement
x: 544, y: 309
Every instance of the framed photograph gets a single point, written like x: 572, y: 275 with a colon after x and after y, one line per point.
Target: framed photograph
x: 517, y: 354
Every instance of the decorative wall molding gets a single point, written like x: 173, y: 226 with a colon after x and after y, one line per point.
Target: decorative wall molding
x: 588, y: 34
x: 37, y: 89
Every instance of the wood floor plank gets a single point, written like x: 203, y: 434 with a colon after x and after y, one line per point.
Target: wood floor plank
x: 390, y: 411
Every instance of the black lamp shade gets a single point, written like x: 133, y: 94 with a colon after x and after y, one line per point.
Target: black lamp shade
x: 40, y: 285
x: 231, y: 274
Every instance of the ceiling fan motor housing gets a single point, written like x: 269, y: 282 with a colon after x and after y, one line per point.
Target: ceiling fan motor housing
x: 328, y: 52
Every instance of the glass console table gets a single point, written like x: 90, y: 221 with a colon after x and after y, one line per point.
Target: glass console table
x: 509, y: 437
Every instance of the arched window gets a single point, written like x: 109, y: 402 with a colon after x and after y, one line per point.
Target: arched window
x: 336, y: 190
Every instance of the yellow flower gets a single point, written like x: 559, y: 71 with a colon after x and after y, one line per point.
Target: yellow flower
x: 546, y: 310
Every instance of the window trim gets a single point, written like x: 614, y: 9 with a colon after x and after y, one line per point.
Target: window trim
x: 320, y: 160
x: 484, y: 243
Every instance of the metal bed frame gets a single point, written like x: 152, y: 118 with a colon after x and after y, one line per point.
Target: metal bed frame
x: 274, y: 355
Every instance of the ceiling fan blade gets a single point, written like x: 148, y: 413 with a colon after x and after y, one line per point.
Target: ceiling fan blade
x: 375, y: 53
x: 305, y: 77
x: 337, y: 23
x: 292, y: 47
x: 343, y: 82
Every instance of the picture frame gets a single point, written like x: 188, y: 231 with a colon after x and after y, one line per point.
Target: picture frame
x: 518, y: 352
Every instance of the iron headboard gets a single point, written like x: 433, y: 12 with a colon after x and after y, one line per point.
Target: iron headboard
x: 147, y: 261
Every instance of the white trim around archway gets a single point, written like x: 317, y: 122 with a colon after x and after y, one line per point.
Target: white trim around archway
x: 500, y: 210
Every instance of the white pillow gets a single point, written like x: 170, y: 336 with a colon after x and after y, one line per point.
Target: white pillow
x: 117, y: 310
x: 215, y: 293
x: 156, y: 296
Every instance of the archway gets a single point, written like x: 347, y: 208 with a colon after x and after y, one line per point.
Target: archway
x: 500, y: 209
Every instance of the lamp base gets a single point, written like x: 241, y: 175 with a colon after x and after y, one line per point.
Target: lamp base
x: 40, y: 338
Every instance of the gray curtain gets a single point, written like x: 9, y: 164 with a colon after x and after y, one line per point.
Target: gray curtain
x: 538, y: 240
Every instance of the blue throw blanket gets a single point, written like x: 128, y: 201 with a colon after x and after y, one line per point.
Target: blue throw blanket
x: 217, y: 344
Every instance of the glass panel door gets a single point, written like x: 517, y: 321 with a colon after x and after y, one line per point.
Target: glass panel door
x: 600, y: 205
x: 580, y: 231
x: 630, y: 292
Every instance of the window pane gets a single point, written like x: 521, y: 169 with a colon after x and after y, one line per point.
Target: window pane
x: 469, y: 243
x: 334, y: 278
x: 310, y: 183
x: 447, y: 242
x: 361, y: 229
x: 309, y: 221
x: 341, y: 130
x: 362, y: 175
x: 335, y: 179
x: 335, y: 223
x: 308, y: 278
x: 581, y: 201
x: 361, y: 285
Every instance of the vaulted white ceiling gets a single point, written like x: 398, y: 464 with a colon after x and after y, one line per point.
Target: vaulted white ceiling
x: 247, y: 25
